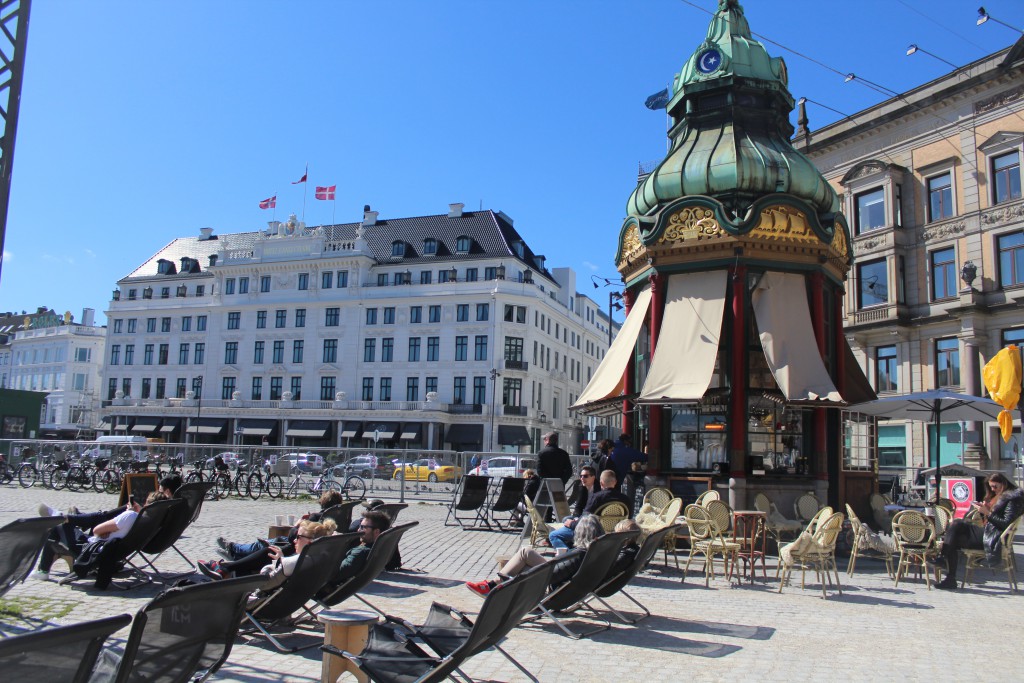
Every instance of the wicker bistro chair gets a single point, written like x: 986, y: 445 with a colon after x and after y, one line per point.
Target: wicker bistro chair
x: 819, y: 516
x: 539, y: 529
x: 862, y: 544
x: 655, y: 523
x: 611, y: 514
x: 881, y: 518
x: 776, y: 524
x: 721, y: 514
x: 817, y: 551
x: 915, y: 539
x: 975, y: 558
x: 706, y: 539
x: 657, y: 498
x: 709, y: 495
x: 948, y: 504
x: 806, y: 506
x: 942, y: 518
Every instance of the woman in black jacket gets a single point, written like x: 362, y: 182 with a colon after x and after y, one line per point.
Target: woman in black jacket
x: 1003, y: 504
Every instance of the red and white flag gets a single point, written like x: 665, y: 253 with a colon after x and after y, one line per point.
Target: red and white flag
x: 303, y: 178
x: 325, y: 192
x: 269, y: 202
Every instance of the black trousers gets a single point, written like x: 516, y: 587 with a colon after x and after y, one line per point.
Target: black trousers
x: 960, y: 535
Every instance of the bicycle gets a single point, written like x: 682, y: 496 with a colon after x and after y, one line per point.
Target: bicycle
x: 105, y: 479
x: 256, y: 485
x: 352, y: 487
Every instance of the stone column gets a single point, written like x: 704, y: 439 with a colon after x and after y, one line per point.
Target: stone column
x: 974, y: 453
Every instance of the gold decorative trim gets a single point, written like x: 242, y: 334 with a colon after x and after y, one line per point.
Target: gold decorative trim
x: 691, y: 223
x: 784, y: 223
x: 839, y: 245
x: 631, y: 245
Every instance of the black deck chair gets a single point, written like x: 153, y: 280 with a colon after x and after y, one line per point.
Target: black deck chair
x: 572, y: 595
x: 470, y: 496
x: 392, y: 510
x: 616, y: 582
x: 185, y: 634
x: 506, y: 500
x: 341, y: 514
x: 382, y: 550
x: 66, y: 654
x: 178, y: 518
x: 316, y: 565
x: 21, y: 541
x: 194, y: 493
x: 119, y: 550
x: 393, y: 653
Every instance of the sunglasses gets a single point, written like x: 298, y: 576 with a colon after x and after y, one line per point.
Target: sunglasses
x: 308, y: 538
x: 364, y: 526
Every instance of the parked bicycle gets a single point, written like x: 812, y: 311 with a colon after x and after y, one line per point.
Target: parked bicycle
x: 272, y: 484
x: 353, y: 486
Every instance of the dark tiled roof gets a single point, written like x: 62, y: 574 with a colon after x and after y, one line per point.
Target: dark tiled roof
x: 491, y: 236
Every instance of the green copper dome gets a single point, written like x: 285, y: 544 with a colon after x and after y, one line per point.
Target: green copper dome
x: 730, y: 128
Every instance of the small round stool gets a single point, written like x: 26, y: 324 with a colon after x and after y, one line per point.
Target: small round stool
x: 348, y: 630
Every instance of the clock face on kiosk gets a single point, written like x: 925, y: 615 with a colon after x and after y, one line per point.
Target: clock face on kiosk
x: 708, y: 61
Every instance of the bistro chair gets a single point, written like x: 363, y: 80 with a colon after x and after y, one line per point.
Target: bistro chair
x: 943, y: 517
x: 882, y: 519
x: 721, y: 514
x: 806, y: 506
x: 864, y: 542
x: 821, y: 515
x: 539, y: 529
x: 707, y: 540
x: 948, y: 504
x: 657, y: 498
x: 610, y: 514
x: 709, y: 495
x: 975, y: 558
x: 816, y: 551
x: 915, y: 539
x: 776, y: 523
x: 667, y: 518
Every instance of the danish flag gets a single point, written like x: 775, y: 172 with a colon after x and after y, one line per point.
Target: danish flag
x: 325, y: 192
x: 269, y: 202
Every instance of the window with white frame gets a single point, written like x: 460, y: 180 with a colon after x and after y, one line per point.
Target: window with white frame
x: 940, y: 196
x: 872, y: 283
x: 869, y: 210
x: 943, y: 264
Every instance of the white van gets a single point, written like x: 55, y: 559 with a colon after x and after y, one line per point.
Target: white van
x: 117, y: 446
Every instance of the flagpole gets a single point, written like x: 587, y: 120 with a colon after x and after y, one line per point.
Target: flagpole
x: 305, y: 185
x: 273, y: 215
x: 334, y: 211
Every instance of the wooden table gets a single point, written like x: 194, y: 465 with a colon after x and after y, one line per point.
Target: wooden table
x: 348, y: 630
x: 749, y: 529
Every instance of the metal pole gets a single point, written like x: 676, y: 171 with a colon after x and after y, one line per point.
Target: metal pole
x: 494, y: 398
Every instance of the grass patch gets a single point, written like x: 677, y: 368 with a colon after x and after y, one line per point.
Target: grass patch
x: 46, y: 609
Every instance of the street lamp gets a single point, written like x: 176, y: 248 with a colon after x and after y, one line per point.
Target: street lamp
x: 494, y: 398
x: 614, y: 297
x: 984, y: 16
x: 197, y: 386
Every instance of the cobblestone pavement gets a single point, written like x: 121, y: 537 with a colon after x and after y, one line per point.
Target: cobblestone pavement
x: 743, y: 632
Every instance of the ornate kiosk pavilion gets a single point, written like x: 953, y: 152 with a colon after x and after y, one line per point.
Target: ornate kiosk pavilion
x: 731, y: 365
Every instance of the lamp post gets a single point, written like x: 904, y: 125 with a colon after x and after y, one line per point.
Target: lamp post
x: 614, y: 297
x: 494, y: 399
x: 197, y: 386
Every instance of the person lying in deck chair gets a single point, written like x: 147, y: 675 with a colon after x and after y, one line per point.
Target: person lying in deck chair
x: 372, y: 525
x: 272, y: 561
x: 587, y: 530
x: 232, y: 551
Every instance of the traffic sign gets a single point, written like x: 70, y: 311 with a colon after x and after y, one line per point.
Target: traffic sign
x: 585, y: 444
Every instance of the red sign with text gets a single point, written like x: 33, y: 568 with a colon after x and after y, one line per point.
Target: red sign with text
x: 960, y: 490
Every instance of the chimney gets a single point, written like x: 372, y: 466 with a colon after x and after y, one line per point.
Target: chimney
x: 455, y: 210
x: 88, y: 317
x: 369, y: 217
x: 205, y: 234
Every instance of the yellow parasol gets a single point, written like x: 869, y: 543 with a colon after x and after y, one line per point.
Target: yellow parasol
x: 1002, y: 377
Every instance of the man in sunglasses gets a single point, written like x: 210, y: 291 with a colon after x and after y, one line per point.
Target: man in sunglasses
x: 373, y: 524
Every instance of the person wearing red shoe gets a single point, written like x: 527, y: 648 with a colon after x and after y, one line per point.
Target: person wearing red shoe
x: 587, y: 531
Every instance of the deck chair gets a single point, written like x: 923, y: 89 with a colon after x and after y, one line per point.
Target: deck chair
x: 21, y: 541
x: 616, y: 582
x: 539, y: 529
x: 382, y: 550
x: 66, y: 654
x: 392, y: 510
x: 975, y: 558
x: 341, y: 514
x: 470, y: 496
x: 574, y: 593
x: 317, y: 563
x: 610, y: 514
x: 194, y: 493
x: 120, y: 550
x: 393, y: 653
x: 506, y: 500
x: 184, y: 634
x: 178, y: 518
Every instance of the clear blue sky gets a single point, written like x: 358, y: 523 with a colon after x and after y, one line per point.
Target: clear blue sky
x: 146, y: 121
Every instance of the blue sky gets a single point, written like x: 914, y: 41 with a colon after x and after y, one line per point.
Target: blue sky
x: 146, y: 121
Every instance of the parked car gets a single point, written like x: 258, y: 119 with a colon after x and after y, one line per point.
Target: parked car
x: 307, y: 463
x: 363, y: 465
x: 428, y: 469
x: 504, y: 466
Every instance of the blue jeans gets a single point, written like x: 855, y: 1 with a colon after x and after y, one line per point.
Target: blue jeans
x: 240, y: 550
x: 561, y: 538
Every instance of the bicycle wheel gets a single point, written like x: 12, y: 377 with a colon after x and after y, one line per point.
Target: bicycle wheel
x: 6, y: 475
x: 354, y: 487
x: 274, y: 485
x: 222, y: 485
x: 59, y: 479
x: 28, y: 475
x: 110, y: 481
x: 73, y: 479
x: 241, y: 486
x: 254, y: 486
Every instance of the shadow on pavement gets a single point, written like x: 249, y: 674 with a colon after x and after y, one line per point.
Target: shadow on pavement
x: 711, y: 628
x: 419, y: 580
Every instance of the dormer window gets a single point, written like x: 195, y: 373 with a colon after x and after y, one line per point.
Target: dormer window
x: 429, y: 247
x: 165, y: 267
x: 517, y: 246
x: 462, y: 244
x: 398, y: 248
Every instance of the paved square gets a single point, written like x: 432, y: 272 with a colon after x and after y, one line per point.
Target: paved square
x: 737, y: 632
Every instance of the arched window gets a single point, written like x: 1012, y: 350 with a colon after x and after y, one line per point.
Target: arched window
x: 429, y: 246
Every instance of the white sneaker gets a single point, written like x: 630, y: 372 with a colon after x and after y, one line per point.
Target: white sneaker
x: 47, y: 511
x: 40, y: 575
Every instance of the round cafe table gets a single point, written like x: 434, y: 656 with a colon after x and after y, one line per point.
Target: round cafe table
x: 348, y: 630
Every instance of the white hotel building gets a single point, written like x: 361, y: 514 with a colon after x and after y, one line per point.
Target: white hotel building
x: 432, y: 332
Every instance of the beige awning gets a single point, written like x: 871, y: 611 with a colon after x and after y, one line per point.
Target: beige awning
x: 691, y: 330
x: 787, y: 337
x: 607, y: 382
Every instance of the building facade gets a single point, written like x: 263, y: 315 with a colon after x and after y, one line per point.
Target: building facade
x: 931, y: 183
x: 51, y: 354
x: 443, y: 331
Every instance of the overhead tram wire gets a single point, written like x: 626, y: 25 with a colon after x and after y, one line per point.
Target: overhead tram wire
x: 984, y: 50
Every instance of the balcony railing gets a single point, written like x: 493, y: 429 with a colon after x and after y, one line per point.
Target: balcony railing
x: 466, y: 409
x: 521, y: 411
x: 516, y: 365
